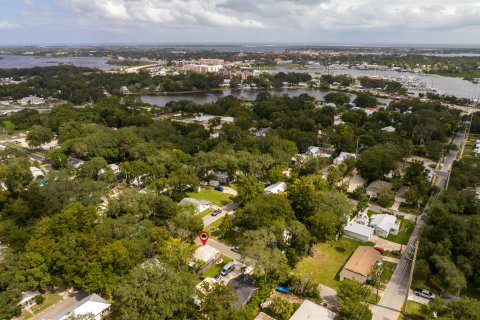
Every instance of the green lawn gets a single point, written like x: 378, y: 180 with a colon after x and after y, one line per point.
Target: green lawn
x: 408, y: 208
x: 50, y: 300
x: 470, y: 145
x: 216, y: 268
x: 388, y: 269
x: 373, y: 298
x: 214, y: 196
x: 403, y: 235
x: 205, y: 213
x: 327, y: 261
x: 413, y: 308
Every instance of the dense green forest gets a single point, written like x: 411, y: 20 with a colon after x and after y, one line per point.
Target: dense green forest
x: 58, y: 237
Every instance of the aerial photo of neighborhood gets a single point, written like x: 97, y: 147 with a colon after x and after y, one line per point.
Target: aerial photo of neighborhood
x: 239, y: 160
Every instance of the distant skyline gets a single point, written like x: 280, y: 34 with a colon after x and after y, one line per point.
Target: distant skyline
x: 24, y: 22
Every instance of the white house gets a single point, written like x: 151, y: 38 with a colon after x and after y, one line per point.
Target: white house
x: 37, y: 173
x: 276, y: 188
x: 343, y: 155
x: 337, y: 120
x: 31, y: 100
x: 312, y: 311
x: 207, y: 254
x: 313, y: 151
x: 93, y: 304
x: 358, y: 231
x: 200, y: 205
x: 389, y: 129
x: 262, y: 132
x: 384, y: 224
x: 28, y: 298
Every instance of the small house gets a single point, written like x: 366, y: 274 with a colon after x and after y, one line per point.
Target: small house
x: 358, y: 231
x: 200, y: 205
x: 312, y: 151
x: 388, y: 129
x: 343, y: 155
x: 93, y: 305
x: 375, y: 188
x: 207, y: 254
x: 262, y: 132
x: 37, y: 173
x: 384, y: 224
x: 359, y: 266
x: 312, y: 311
x: 28, y: 298
x: 276, y: 188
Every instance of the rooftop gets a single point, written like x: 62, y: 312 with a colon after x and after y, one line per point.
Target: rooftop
x: 362, y: 260
x: 93, y: 304
x: 360, y: 229
x: 312, y: 311
x: 193, y: 201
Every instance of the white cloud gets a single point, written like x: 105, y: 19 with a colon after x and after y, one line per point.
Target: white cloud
x: 167, y: 13
x: 300, y: 14
x: 8, y: 25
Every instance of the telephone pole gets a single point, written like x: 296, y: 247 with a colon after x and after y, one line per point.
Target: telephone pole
x: 410, y: 277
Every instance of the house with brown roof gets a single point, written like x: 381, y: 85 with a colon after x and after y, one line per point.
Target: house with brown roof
x: 359, y: 266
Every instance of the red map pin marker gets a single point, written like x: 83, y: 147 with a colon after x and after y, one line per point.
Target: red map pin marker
x: 203, y: 237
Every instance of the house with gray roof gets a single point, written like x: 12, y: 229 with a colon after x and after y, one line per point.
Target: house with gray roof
x: 200, y: 205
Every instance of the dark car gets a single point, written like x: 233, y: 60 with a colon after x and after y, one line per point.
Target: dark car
x: 236, y: 249
x: 216, y: 212
x: 218, y: 188
x: 217, y: 277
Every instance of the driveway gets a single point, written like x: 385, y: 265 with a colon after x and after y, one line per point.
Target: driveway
x: 329, y: 295
x: 69, y: 299
x: 412, y: 296
x: 385, y: 244
x: 227, y: 209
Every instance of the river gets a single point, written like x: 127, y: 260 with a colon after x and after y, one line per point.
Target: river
x: 17, y: 61
x: 244, y: 94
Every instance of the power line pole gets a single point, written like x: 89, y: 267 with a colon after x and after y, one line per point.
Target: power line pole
x: 407, y: 291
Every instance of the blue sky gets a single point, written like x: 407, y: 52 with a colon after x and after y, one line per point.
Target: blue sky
x: 315, y: 21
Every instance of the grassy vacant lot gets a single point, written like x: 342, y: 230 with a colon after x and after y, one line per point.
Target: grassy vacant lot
x: 216, y: 268
x: 403, y: 235
x: 327, y: 261
x: 214, y: 196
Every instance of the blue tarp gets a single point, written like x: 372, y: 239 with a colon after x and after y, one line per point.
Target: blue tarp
x: 282, y: 289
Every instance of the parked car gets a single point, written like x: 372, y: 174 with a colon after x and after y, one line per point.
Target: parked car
x: 379, y: 249
x: 227, y: 268
x: 235, y: 249
x: 216, y: 212
x: 424, y: 293
x: 217, y: 277
x: 218, y: 188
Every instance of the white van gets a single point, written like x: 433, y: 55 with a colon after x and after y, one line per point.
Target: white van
x: 227, y: 268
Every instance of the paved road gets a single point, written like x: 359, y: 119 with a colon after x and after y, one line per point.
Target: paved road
x: 393, y: 298
x: 442, y: 174
x: 68, y: 301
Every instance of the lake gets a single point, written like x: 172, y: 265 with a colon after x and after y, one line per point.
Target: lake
x: 17, y: 61
x: 245, y: 94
